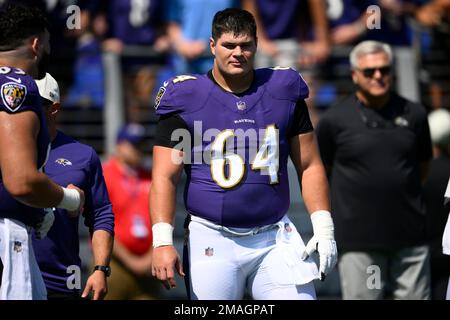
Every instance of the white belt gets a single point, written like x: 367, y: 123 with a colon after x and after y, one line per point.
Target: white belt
x: 241, y: 232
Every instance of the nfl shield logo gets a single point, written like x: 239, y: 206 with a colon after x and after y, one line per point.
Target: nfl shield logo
x: 209, y: 252
x: 241, y: 105
x: 13, y: 95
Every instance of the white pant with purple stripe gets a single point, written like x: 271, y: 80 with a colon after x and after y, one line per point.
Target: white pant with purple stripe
x: 266, y: 262
x: 21, y: 277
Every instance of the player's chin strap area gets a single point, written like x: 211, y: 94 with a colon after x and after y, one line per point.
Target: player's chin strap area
x: 240, y: 232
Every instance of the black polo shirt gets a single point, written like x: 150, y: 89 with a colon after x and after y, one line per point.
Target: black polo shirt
x: 375, y: 177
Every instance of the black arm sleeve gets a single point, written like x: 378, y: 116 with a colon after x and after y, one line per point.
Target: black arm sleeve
x: 166, y: 125
x: 301, y: 123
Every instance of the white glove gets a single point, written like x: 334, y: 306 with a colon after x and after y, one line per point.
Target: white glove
x: 322, y: 242
x: 44, y: 226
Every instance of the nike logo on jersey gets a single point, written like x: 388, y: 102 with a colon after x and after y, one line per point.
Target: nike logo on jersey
x: 18, y: 80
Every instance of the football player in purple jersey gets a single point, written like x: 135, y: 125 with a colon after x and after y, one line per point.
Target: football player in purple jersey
x: 58, y: 254
x: 238, y: 126
x: 24, y: 145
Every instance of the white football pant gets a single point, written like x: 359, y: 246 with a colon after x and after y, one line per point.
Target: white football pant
x: 222, y: 265
x: 21, y: 278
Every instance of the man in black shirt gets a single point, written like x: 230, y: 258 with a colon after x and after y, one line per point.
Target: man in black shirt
x: 377, y: 147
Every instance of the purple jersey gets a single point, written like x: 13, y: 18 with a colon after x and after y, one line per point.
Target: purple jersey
x: 342, y: 12
x: 244, y: 182
x: 394, y: 29
x: 280, y: 18
x: 72, y: 162
x: 19, y: 93
x: 135, y: 22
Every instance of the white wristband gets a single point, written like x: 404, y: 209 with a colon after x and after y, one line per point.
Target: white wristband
x: 71, y: 200
x: 162, y: 234
x: 323, y: 224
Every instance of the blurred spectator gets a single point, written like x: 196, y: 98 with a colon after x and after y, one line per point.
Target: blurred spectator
x: 347, y: 19
x: 279, y: 32
x: 58, y: 254
x: 434, y: 188
x: 352, y: 21
x: 282, y: 40
x: 128, y: 185
x: 87, y: 90
x: 137, y: 23
x: 395, y: 28
x: 64, y: 33
x: 377, y: 147
x: 190, y: 30
x: 435, y: 15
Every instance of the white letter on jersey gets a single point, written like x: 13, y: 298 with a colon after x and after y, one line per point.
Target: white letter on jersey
x: 219, y: 160
x: 267, y: 158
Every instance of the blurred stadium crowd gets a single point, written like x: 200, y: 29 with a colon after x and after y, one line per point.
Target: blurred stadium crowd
x: 153, y: 40
x: 111, y: 56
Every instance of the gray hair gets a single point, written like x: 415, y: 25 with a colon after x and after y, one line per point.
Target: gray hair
x: 368, y: 47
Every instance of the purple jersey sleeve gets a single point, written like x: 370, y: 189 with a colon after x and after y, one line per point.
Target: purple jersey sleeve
x: 287, y: 84
x: 98, y: 210
x: 171, y: 97
x: 19, y: 92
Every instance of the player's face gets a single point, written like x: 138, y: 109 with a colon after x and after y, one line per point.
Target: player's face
x: 234, y: 55
x: 373, y: 75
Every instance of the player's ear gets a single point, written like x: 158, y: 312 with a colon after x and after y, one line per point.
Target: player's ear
x: 35, y: 44
x: 38, y: 43
x: 212, y: 46
x: 354, y: 76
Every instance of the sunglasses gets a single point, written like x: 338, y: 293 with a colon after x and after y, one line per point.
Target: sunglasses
x: 369, y: 72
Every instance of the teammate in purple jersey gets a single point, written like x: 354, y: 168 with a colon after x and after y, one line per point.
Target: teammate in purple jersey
x: 58, y: 254
x: 24, y: 51
x: 239, y: 125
